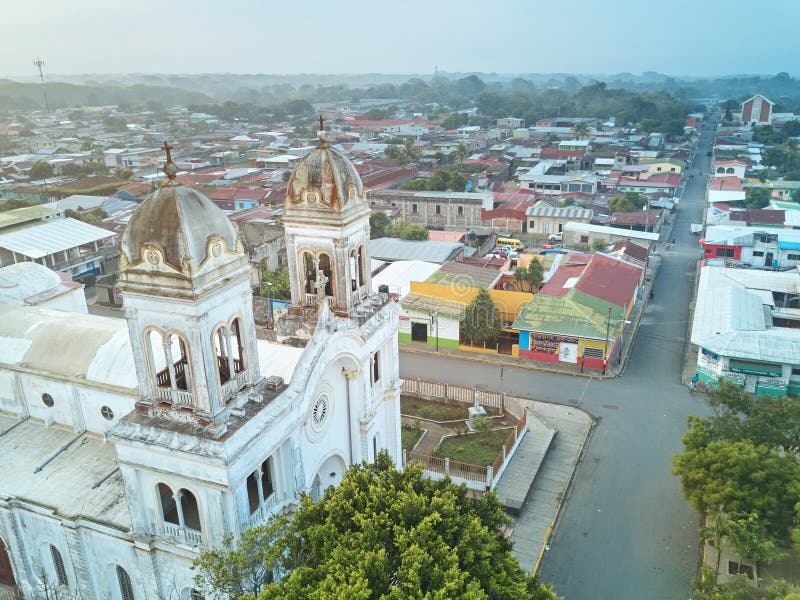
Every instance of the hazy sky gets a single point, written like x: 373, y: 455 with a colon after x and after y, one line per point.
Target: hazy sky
x: 683, y: 37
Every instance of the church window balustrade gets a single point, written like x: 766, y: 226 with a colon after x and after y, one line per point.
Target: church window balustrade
x: 124, y: 582
x: 180, y: 515
x: 58, y: 565
x: 229, y: 348
x: 170, y: 367
x: 261, y: 495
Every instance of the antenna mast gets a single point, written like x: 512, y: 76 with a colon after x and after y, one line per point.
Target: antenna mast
x: 39, y: 64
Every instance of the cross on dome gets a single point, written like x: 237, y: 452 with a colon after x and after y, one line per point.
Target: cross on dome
x: 170, y: 168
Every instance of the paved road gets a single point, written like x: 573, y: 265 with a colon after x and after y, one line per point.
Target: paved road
x: 626, y: 532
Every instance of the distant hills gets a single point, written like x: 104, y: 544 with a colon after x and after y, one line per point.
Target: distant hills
x: 15, y: 95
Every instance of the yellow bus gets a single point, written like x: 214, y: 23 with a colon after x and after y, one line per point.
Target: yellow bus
x: 511, y: 242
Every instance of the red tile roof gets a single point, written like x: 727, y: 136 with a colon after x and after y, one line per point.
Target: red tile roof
x: 633, y: 218
x: 555, y: 285
x: 609, y: 279
x: 634, y: 251
x: 759, y: 216
x: 555, y: 153
x: 726, y: 184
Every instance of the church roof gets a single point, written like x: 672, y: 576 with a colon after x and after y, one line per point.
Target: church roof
x: 178, y: 220
x: 324, y: 179
x: 25, y: 279
x: 67, y: 484
x: 68, y: 344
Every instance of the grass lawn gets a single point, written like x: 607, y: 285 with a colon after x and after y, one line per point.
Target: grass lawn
x: 435, y: 411
x: 475, y: 448
x: 410, y: 435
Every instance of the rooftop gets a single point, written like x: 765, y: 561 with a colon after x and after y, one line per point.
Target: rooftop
x: 48, y: 237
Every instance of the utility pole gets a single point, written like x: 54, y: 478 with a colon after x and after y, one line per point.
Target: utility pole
x: 39, y: 64
x: 605, y: 349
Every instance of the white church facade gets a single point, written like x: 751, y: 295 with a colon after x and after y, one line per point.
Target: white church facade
x: 132, y: 444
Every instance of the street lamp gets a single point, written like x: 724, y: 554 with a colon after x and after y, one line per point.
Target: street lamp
x: 608, y: 328
x: 621, y: 345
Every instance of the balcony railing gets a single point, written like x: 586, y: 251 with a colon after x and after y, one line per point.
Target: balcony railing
x: 263, y: 512
x: 180, y: 397
x: 183, y: 535
x: 233, y: 385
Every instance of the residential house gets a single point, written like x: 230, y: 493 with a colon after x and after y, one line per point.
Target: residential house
x: 545, y: 220
x: 510, y: 123
x: 779, y: 189
x: 727, y: 168
x: 578, y: 316
x: 756, y: 247
x: 746, y: 328
x: 578, y: 234
x: 663, y: 165
x: 725, y: 189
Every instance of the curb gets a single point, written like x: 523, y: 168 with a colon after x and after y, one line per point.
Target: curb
x: 503, y: 363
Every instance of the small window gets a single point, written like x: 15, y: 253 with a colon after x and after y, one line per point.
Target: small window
x: 793, y: 257
x: 724, y: 252
x: 376, y: 373
x: 584, y: 239
x: 58, y: 564
x: 125, y: 587
x: 755, y: 252
x: 107, y: 413
x: 659, y: 168
x: 438, y: 209
x: 414, y: 208
x: 460, y: 211
x: 48, y: 400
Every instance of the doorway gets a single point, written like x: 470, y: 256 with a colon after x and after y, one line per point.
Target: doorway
x: 419, y: 332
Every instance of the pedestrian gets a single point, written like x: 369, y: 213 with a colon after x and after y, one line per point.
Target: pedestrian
x: 652, y: 293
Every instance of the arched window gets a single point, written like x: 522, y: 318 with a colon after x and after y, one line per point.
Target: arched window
x: 729, y: 170
x: 58, y: 565
x: 259, y: 486
x: 179, y: 508
x: 169, y: 509
x: 191, y: 511
x: 325, y: 268
x: 125, y: 587
x: 720, y: 169
x: 309, y: 272
x: 355, y: 271
x: 362, y: 265
x: 237, y: 344
x: 169, y: 363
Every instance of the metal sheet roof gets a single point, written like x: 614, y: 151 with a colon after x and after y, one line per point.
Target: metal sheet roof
x: 49, y: 237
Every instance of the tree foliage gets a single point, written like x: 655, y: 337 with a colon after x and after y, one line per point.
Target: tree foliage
x: 481, y: 323
x: 629, y: 202
x: 756, y: 197
x: 440, y: 181
x: 408, y: 231
x: 382, y: 534
x: 40, y: 170
x: 276, y: 284
x: 379, y: 225
x: 532, y: 275
x: 707, y: 587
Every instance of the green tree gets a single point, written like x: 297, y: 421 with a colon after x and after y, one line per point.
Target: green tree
x: 481, y: 323
x: 581, y: 130
x: 122, y: 173
x: 532, y: 275
x: 739, y: 476
x: 756, y: 197
x: 749, y: 540
x: 455, y: 120
x: 241, y: 568
x: 275, y: 284
x: 386, y: 535
x: 407, y: 231
x: 40, y: 170
x: 599, y: 245
x: 461, y: 152
x: 629, y: 202
x: 379, y: 225
x: 715, y: 531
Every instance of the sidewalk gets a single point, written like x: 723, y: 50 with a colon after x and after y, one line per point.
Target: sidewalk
x: 540, y: 511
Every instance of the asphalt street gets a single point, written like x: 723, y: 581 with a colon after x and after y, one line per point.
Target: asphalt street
x: 625, y: 533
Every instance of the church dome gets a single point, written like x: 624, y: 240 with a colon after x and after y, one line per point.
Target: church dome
x: 180, y: 222
x: 324, y: 178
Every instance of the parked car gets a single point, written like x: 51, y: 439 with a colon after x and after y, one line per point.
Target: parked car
x: 555, y: 237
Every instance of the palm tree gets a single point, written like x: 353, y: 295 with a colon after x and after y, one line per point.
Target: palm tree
x: 715, y: 532
x: 461, y: 152
x: 581, y: 130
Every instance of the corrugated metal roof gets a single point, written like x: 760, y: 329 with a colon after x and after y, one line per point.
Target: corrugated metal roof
x: 427, y: 251
x: 563, y: 213
x: 48, y: 237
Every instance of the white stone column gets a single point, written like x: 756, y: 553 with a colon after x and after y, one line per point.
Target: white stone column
x: 179, y: 507
x: 229, y: 344
x: 352, y: 416
x: 171, y: 367
x: 260, y: 486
